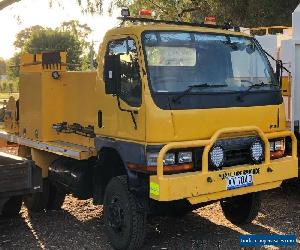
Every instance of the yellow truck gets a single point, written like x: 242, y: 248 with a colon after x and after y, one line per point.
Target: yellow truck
x: 176, y: 116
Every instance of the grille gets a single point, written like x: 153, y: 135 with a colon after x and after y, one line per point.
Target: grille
x: 237, y: 150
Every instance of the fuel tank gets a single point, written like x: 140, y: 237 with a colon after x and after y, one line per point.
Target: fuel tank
x: 73, y: 176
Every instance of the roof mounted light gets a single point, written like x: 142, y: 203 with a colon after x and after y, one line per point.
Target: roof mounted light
x: 125, y: 12
x: 210, y: 20
x: 145, y: 13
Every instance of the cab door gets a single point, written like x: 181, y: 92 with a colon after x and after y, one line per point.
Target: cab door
x: 129, y: 101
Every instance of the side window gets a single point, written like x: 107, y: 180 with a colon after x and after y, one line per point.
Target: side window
x: 130, y: 83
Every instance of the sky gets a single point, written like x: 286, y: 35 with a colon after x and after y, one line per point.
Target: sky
x: 28, y: 13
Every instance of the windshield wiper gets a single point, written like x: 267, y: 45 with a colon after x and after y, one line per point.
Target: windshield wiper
x: 203, y: 85
x: 254, y: 85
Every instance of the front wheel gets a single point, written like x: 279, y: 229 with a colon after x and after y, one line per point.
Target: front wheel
x: 124, y: 216
x: 241, y: 209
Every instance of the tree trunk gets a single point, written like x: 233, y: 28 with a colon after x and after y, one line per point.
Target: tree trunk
x: 6, y: 3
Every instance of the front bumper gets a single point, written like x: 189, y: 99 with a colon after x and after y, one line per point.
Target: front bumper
x: 207, y: 185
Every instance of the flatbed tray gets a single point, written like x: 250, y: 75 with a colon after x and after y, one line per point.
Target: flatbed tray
x: 66, y: 149
x: 18, y: 176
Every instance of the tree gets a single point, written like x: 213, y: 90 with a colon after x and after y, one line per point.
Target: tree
x: 80, y: 31
x: 54, y: 40
x: 11, y: 87
x: 2, y: 66
x: 6, y: 3
x: 12, y: 69
x: 89, y: 61
x: 88, y: 6
x: 23, y: 36
x: 70, y: 37
x: 4, y: 86
x: 247, y: 13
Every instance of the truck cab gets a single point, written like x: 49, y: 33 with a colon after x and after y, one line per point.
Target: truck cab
x: 198, y: 110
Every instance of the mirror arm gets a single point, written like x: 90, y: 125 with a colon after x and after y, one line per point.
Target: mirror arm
x: 280, y: 72
x: 129, y: 111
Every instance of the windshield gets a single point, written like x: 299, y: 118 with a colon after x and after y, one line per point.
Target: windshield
x: 178, y: 60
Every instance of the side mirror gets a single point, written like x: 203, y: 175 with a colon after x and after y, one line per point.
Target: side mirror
x: 112, y: 75
x: 278, y: 72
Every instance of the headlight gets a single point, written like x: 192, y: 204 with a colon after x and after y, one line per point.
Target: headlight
x: 152, y: 159
x: 277, y: 148
x: 185, y: 157
x: 217, y: 156
x: 257, y: 152
x: 169, y: 159
x: 277, y: 145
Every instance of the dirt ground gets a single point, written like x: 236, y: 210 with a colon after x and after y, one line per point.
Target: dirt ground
x: 79, y: 225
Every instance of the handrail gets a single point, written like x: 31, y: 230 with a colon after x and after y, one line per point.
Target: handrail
x: 208, y: 144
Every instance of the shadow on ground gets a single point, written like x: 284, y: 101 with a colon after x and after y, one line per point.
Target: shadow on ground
x: 80, y: 226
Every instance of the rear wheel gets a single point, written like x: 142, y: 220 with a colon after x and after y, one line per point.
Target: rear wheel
x: 124, y: 216
x: 241, y: 209
x: 37, y: 202
x: 12, y: 207
x: 56, y: 198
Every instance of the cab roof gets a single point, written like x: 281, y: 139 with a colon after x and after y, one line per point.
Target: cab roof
x: 136, y: 26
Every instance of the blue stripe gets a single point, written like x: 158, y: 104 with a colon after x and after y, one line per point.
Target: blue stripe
x: 267, y: 240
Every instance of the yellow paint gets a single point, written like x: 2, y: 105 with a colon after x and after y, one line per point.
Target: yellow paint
x: 45, y: 101
x: 10, y: 116
x: 286, y: 85
x: 43, y: 160
x: 195, y: 186
x: 33, y: 63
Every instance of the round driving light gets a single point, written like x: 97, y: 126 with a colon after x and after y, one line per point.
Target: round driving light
x: 217, y: 157
x: 257, y: 152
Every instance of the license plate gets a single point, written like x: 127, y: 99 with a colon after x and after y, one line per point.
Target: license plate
x: 238, y: 181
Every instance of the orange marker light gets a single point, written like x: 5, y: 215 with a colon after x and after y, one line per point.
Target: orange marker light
x: 144, y: 12
x: 210, y: 20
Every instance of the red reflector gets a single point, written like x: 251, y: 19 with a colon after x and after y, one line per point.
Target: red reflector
x: 145, y: 12
x: 210, y: 20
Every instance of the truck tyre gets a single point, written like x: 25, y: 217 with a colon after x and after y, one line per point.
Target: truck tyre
x: 37, y: 202
x: 124, y: 216
x: 12, y: 207
x: 56, y: 198
x: 242, y: 209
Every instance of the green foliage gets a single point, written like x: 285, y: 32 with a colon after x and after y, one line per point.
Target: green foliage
x: 246, y: 13
x: 12, y: 69
x: 9, y: 86
x: 91, y: 6
x: 87, y: 6
x: 23, y: 36
x: 54, y: 40
x: 70, y: 37
x: 4, y: 86
x: 2, y: 66
x: 89, y: 61
x: 80, y: 31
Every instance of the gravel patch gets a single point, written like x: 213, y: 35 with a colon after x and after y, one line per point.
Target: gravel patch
x: 79, y: 225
